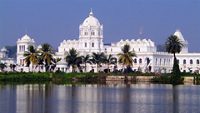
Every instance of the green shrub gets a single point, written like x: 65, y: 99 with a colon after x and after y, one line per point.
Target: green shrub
x: 164, y: 79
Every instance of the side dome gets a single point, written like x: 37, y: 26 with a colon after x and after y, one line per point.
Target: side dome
x: 179, y: 35
x: 91, y: 21
x: 4, y: 49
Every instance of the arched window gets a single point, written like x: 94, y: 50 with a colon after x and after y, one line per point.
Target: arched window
x: 135, y: 61
x: 191, y: 61
x: 92, y: 44
x: 184, y: 61
x: 140, y: 60
x: 148, y: 61
x: 197, y: 61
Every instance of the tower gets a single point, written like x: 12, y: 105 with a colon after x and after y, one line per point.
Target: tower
x: 22, y: 46
x: 91, y: 35
x: 3, y: 53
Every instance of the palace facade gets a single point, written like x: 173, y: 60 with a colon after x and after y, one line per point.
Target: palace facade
x: 91, y: 40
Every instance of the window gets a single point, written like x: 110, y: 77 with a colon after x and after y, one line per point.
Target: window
x: 85, y: 44
x: 156, y: 61
x: 135, y: 61
x: 19, y: 48
x: 177, y: 61
x: 92, y: 33
x: 197, y: 61
x: 92, y: 44
x: 148, y: 61
x: 86, y: 33
x: 164, y: 61
x: 191, y: 61
x: 160, y: 61
x: 184, y: 61
x: 140, y: 60
x: 22, y: 48
x: 21, y: 61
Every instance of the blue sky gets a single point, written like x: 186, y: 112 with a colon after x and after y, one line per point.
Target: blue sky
x: 52, y: 21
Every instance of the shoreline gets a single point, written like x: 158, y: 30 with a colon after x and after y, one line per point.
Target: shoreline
x: 97, y: 78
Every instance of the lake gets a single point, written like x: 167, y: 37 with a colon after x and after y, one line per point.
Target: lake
x: 121, y: 98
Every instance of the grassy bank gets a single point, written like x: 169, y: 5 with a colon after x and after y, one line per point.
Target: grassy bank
x: 169, y: 78
x: 62, y: 78
x: 58, y: 78
x: 25, y: 77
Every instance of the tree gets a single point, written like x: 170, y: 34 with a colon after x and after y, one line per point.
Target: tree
x: 73, y: 59
x: 12, y: 50
x: 126, y: 57
x: 98, y: 58
x: 54, y: 61
x: 40, y: 63
x: 2, y: 66
x: 31, y: 56
x: 86, y: 59
x: 46, y: 55
x: 110, y: 60
x: 174, y: 45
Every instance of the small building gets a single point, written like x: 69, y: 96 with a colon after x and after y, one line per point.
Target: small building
x: 5, y: 59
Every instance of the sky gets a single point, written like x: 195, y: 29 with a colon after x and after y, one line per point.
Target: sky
x: 52, y: 21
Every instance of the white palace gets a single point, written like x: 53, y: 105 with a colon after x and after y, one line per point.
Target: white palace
x: 91, y: 40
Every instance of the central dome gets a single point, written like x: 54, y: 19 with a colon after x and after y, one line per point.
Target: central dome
x: 91, y: 21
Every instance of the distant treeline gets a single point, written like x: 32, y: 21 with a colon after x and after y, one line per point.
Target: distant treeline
x: 161, y: 48
x: 12, y: 50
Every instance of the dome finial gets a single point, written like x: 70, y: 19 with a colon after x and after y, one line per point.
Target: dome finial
x: 91, y: 13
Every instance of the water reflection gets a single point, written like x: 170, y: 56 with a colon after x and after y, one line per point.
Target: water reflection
x: 135, y: 98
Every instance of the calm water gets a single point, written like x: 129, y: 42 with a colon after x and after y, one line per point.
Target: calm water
x: 136, y: 98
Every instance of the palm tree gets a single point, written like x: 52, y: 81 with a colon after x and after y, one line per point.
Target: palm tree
x: 98, y: 58
x: 2, y: 66
x: 40, y: 63
x: 73, y: 59
x: 31, y: 56
x: 110, y: 60
x: 54, y: 61
x: 125, y: 58
x: 86, y: 59
x: 174, y: 45
x: 47, y: 55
